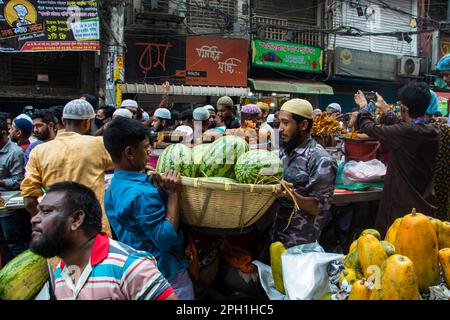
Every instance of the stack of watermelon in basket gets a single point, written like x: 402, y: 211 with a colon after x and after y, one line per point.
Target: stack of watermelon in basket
x: 225, y: 185
x: 228, y: 157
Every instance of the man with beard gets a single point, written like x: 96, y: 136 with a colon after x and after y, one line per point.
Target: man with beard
x: 68, y: 225
x: 71, y: 156
x: 225, y: 112
x: 161, y: 120
x: 44, y: 129
x: 309, y: 175
x: 21, y: 131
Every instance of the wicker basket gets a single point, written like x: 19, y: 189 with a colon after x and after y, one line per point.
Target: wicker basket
x: 223, y: 205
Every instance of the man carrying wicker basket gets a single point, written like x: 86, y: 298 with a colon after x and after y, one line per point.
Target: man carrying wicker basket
x: 308, y: 181
x: 144, y: 213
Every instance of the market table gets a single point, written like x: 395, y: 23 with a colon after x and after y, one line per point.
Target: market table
x: 355, y: 199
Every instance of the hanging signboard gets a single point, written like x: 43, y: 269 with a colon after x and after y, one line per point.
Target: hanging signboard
x: 286, y: 55
x: 155, y: 59
x: 216, y: 61
x: 38, y: 25
x: 364, y: 64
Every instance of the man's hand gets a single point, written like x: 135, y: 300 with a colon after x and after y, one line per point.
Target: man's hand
x: 166, y: 88
x: 171, y: 181
x: 282, y: 192
x: 360, y: 99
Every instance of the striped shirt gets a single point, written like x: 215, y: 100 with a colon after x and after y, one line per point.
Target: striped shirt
x: 115, y: 272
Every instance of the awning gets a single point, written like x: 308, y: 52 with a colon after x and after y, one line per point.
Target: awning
x: 181, y: 90
x: 290, y: 86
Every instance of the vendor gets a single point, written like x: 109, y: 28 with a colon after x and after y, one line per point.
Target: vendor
x: 309, y: 174
x: 413, y: 147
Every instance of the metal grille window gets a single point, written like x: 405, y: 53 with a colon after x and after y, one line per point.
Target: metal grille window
x: 309, y: 36
x: 211, y: 15
x: 63, y: 69
x: 288, y: 14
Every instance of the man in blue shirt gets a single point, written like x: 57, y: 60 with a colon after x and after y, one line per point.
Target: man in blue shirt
x: 143, y: 216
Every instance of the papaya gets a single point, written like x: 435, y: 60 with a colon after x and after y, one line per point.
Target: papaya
x: 350, y: 275
x: 436, y: 224
x: 444, y: 259
x: 276, y: 250
x: 371, y: 252
x: 398, y: 280
x: 444, y: 235
x: 353, y: 245
x: 389, y: 248
x: 351, y: 261
x: 360, y: 291
x: 373, y: 232
x: 392, y: 231
x: 416, y: 238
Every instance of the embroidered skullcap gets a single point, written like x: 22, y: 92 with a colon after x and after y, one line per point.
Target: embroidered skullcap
x: 299, y: 107
x: 78, y: 109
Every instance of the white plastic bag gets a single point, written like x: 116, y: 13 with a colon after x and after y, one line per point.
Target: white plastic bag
x: 305, y: 274
x: 363, y: 171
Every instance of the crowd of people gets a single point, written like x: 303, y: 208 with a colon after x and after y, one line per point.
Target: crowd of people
x: 58, y: 158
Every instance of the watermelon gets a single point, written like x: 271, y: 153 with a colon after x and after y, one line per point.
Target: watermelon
x: 221, y: 157
x: 177, y: 157
x: 259, y: 167
x: 23, y: 277
x: 198, y: 153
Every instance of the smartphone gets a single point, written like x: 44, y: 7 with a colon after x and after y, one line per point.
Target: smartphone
x: 370, y: 96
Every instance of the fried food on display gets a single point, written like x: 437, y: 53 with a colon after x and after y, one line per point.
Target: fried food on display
x: 326, y: 125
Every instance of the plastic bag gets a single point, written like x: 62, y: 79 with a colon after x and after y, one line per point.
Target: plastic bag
x: 305, y: 273
x: 363, y: 171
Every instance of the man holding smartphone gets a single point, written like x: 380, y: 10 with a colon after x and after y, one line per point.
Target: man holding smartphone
x: 413, y: 149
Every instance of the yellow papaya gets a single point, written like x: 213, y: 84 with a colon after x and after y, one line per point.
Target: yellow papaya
x: 392, y: 231
x: 360, y: 291
x: 436, y: 224
x: 351, y: 261
x: 276, y: 250
x: 416, y: 238
x: 444, y: 259
x: 389, y: 248
x: 370, y: 252
x: 373, y: 232
x: 398, y: 280
x: 353, y: 245
x: 350, y: 275
x: 444, y: 235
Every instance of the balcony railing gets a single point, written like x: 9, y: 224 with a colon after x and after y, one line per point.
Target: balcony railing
x: 278, y: 29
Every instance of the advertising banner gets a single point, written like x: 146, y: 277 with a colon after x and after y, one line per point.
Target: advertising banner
x: 286, y: 55
x: 38, y: 25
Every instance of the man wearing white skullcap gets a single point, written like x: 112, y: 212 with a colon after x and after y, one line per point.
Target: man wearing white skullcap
x: 122, y: 112
x: 161, y: 120
x: 71, y: 156
x: 131, y: 105
x: 309, y: 174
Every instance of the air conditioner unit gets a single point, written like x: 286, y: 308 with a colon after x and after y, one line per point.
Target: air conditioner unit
x: 409, y: 67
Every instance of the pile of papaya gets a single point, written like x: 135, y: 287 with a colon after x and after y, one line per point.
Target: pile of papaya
x: 403, y: 265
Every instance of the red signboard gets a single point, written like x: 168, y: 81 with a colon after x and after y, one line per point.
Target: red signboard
x: 216, y: 61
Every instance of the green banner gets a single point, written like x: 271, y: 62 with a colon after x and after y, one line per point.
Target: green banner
x: 286, y: 55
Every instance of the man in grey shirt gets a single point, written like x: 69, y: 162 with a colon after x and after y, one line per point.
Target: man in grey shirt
x: 14, y: 224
